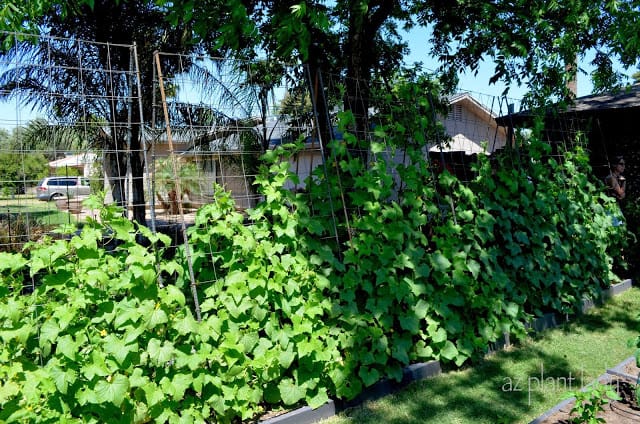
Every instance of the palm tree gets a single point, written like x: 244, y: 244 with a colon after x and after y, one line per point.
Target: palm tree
x: 227, y: 111
x: 39, y: 136
x: 95, y: 87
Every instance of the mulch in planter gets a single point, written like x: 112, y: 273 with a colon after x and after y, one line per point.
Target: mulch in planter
x: 624, y: 411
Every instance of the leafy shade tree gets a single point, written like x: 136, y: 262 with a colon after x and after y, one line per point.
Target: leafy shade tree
x: 535, y: 44
x: 25, y: 152
x: 23, y: 16
x: 21, y: 170
x: 118, y: 22
x: 347, y: 38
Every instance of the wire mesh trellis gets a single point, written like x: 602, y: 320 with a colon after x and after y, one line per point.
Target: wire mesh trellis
x: 220, y: 125
x: 75, y: 105
x: 212, y: 121
x: 88, y: 118
x: 209, y: 123
x: 78, y: 103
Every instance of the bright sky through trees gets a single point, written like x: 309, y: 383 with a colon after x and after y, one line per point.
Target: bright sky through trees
x: 480, y: 83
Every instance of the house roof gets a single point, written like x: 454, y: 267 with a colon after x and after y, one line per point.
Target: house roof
x: 468, y: 99
x: 74, y: 160
x: 627, y: 98
x: 460, y: 142
x: 622, y: 99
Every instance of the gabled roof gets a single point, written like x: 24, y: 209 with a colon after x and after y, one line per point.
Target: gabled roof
x: 74, y: 160
x: 469, y: 100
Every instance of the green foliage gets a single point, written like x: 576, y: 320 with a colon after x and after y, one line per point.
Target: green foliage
x: 539, y: 45
x: 18, y: 16
x: 88, y: 342
x: 22, y: 169
x: 96, y: 179
x: 529, y: 44
x: 635, y: 343
x: 550, y: 228
x: 590, y: 401
x: 41, y: 136
x: 67, y: 171
x: 310, y: 295
x: 187, y: 174
x: 266, y: 295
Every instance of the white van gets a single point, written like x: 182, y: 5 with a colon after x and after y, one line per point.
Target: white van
x: 51, y: 188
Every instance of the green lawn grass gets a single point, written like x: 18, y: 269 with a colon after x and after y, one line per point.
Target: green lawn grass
x: 518, y: 384
x: 27, y: 208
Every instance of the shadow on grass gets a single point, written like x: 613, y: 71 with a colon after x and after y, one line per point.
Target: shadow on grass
x: 619, y: 311
x: 489, y: 392
x: 492, y: 391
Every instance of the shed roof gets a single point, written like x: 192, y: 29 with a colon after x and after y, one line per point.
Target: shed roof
x: 626, y: 98
x: 623, y: 99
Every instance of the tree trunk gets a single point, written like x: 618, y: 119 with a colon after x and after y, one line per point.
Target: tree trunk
x: 117, y: 162
x: 360, y: 51
x: 320, y: 106
x: 115, y: 169
x: 137, y: 176
x: 359, y: 54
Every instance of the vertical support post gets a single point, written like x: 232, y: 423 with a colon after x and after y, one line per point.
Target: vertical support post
x: 187, y: 248
x: 316, y: 87
x: 444, y: 163
x: 150, y: 188
x: 9, y: 218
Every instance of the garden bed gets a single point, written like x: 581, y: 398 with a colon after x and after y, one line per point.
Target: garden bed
x: 71, y: 205
x: 622, y: 380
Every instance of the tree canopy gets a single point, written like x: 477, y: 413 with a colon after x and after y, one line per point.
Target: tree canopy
x: 531, y: 42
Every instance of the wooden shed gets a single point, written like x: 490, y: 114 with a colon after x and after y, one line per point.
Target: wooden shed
x: 608, y: 121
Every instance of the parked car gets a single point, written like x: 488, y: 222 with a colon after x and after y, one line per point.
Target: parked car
x: 51, y: 188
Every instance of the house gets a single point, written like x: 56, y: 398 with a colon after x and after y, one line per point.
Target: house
x: 471, y: 125
x: 204, y: 158
x: 82, y: 162
x: 221, y: 157
x: 305, y: 161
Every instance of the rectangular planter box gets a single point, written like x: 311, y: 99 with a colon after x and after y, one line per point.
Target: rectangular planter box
x: 415, y: 372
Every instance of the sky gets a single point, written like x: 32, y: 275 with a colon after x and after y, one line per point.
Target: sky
x: 480, y: 83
